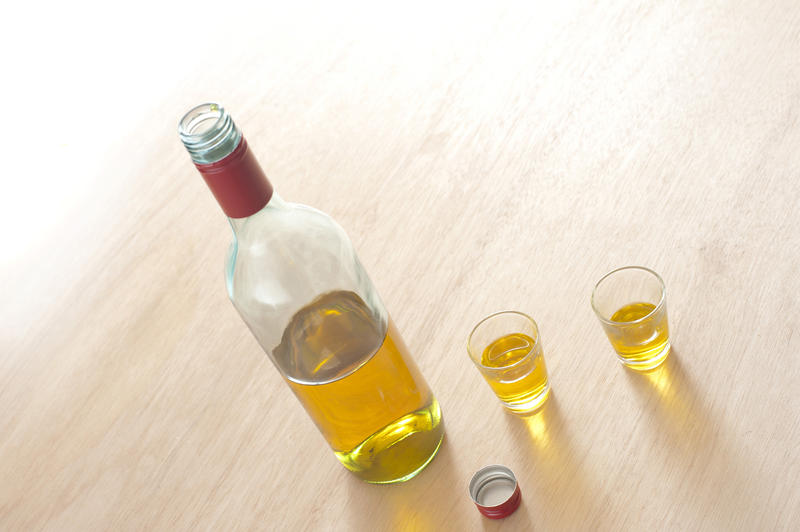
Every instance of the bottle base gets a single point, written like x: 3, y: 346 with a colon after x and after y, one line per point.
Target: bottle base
x: 400, y: 450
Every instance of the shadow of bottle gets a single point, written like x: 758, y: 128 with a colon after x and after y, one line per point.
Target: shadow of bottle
x: 715, y: 480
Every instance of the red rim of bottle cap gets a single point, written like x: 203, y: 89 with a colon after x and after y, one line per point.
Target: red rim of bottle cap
x: 495, y: 491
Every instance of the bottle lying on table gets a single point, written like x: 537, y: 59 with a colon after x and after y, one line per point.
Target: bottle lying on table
x: 294, y: 278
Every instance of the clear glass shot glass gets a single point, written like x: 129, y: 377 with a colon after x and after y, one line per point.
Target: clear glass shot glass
x: 506, y: 349
x: 631, y: 304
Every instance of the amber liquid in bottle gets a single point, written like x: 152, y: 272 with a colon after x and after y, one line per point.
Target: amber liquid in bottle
x: 356, y: 380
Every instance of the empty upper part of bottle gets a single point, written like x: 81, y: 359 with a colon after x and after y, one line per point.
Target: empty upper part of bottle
x: 283, y: 257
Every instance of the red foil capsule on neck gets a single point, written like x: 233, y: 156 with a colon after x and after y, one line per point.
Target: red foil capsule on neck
x: 238, y: 182
x: 495, y: 491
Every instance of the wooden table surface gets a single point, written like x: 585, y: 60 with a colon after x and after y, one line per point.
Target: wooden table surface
x: 480, y: 159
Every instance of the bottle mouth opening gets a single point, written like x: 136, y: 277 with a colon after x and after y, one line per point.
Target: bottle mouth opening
x: 208, y: 132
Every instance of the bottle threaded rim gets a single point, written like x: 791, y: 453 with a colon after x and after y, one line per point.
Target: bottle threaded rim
x: 209, y: 133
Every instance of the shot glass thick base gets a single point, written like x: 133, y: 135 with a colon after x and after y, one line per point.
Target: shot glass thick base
x: 647, y: 364
x: 530, y: 404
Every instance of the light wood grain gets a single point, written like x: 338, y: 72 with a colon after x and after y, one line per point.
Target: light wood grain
x: 480, y: 160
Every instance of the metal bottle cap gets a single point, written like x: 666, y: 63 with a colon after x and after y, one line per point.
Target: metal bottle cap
x: 495, y: 491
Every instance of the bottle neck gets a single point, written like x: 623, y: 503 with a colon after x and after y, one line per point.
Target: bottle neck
x: 221, y: 154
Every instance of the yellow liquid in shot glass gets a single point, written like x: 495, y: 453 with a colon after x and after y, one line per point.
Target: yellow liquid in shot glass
x: 523, y: 386
x: 641, y: 341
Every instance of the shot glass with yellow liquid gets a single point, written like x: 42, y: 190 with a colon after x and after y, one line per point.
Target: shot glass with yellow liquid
x: 507, y: 351
x: 631, y: 304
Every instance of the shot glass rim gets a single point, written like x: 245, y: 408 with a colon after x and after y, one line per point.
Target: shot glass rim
x: 536, y: 340
x: 648, y: 315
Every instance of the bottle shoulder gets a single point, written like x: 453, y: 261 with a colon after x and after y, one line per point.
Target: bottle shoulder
x: 283, y: 258
x: 292, y: 223
x: 291, y: 258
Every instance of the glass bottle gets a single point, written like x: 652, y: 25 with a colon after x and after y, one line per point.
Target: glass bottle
x: 294, y: 278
